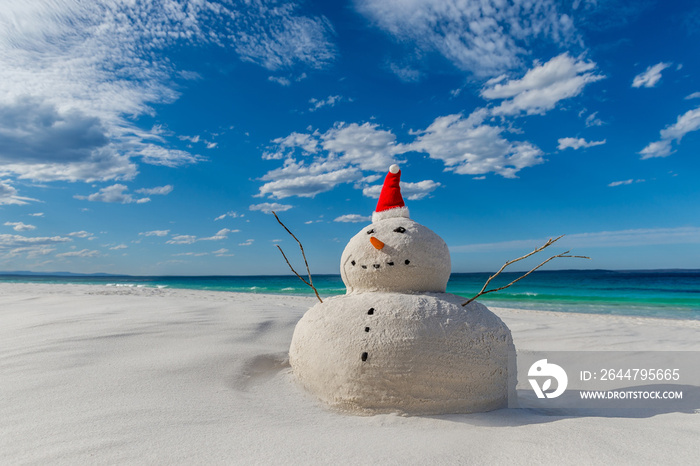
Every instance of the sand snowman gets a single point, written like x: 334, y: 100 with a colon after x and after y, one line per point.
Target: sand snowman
x: 396, y: 342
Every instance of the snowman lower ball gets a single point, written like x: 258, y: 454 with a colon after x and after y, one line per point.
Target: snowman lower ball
x: 396, y: 342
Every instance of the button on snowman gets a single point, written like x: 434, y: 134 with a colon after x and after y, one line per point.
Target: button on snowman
x: 396, y: 342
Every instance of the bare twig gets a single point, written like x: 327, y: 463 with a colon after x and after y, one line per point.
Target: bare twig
x: 310, y: 282
x: 547, y: 244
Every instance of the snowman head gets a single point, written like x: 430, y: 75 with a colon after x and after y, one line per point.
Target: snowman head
x: 395, y: 253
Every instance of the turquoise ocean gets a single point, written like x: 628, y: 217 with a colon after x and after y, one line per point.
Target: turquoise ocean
x: 654, y: 293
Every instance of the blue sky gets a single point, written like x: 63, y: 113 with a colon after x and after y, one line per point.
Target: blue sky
x: 154, y: 137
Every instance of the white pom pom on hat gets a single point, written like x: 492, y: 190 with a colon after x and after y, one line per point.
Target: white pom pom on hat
x: 390, y: 202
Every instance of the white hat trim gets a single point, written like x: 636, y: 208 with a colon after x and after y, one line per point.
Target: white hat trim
x: 390, y: 213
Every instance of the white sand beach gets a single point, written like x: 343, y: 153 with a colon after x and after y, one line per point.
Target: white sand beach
x: 116, y: 375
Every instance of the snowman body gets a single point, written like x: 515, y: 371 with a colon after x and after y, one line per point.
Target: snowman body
x: 396, y: 342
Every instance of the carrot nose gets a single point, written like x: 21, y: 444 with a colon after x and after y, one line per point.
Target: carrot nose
x: 376, y: 243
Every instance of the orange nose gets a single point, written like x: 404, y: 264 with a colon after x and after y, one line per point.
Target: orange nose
x: 376, y: 243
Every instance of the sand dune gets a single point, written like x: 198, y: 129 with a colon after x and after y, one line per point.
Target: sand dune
x: 95, y: 375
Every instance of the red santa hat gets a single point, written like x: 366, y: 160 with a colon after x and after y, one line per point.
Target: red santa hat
x: 390, y: 201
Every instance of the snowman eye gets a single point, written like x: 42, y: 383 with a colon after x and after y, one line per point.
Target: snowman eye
x: 400, y: 230
x: 369, y: 232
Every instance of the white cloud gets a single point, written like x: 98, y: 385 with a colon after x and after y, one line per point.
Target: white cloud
x: 66, y: 114
x: 620, y: 183
x: 409, y: 191
x: 468, y: 146
x: 282, y: 81
x: 352, y: 218
x: 296, y: 179
x: 349, y: 148
x: 342, y: 155
x: 623, y: 183
x: 656, y: 149
x: 157, y: 191
x: 287, y: 146
x: 577, y: 143
x: 593, y: 120
x: 231, y: 214
x: 211, y: 145
x: 13, y: 242
x: 157, y: 155
x: 190, y: 239
x: 268, y: 207
x: 114, y: 193
x: 651, y: 76
x: 542, y: 87
x: 485, y: 37
x: 686, y: 123
x: 193, y: 139
x: 406, y: 74
x: 81, y: 253
x: 694, y: 95
x: 329, y: 101
x: 119, y: 246
x: 223, y: 252
x: 274, y: 37
x: 8, y: 194
x: 19, y: 226
x: 220, y: 235
x: 12, y: 246
x: 82, y: 234
x: 37, y: 214
x: 363, y: 145
x: 247, y: 242
x: 182, y: 239
x: 31, y: 252
x: 155, y: 233
x: 419, y: 190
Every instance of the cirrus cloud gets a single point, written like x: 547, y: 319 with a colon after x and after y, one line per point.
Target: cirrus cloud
x: 76, y: 75
x: 484, y: 37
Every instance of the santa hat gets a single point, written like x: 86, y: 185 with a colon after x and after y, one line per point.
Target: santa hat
x: 390, y: 201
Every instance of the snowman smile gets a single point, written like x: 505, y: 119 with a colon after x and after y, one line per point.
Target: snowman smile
x: 375, y: 265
